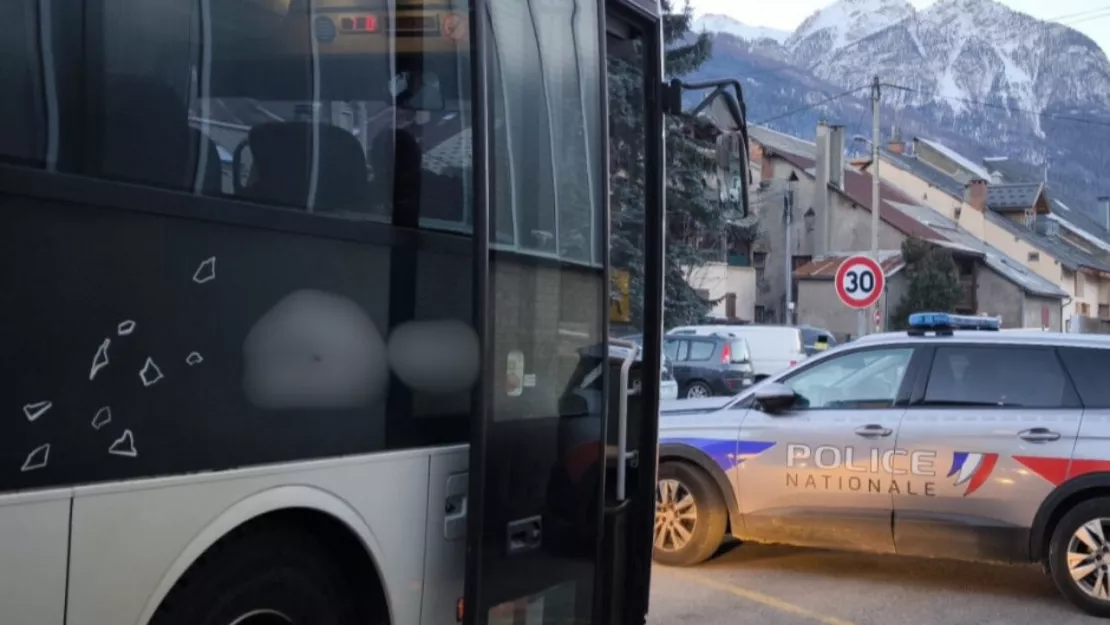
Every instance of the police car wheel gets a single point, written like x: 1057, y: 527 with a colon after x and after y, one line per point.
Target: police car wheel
x: 690, y: 515
x: 1079, y: 556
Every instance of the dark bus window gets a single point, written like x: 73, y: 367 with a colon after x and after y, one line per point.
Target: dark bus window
x: 1017, y: 377
x: 262, y: 105
x: 547, y: 139
x: 1089, y: 369
x: 272, y: 103
x: 23, y: 111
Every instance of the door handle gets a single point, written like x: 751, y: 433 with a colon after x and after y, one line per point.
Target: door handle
x: 1039, y: 435
x: 525, y: 534
x: 454, y: 507
x: 622, y: 417
x: 873, y: 430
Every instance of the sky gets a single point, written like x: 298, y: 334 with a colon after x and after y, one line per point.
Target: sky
x: 1091, y: 17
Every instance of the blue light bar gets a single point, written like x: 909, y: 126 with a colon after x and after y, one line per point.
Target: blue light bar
x: 938, y: 321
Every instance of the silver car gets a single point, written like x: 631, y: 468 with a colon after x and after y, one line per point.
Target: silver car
x: 937, y: 442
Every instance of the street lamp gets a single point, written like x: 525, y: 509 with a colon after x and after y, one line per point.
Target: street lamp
x: 788, y: 251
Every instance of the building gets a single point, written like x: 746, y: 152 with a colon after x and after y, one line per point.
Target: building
x: 1014, y: 214
x: 832, y: 220
x: 729, y: 280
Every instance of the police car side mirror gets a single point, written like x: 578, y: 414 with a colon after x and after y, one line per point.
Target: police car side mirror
x: 774, y: 398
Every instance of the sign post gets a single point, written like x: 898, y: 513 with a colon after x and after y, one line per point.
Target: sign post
x: 859, y: 285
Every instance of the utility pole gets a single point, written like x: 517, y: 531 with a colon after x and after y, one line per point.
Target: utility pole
x: 788, y: 250
x: 876, y: 202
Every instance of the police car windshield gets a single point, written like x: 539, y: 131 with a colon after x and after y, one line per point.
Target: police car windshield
x: 864, y: 377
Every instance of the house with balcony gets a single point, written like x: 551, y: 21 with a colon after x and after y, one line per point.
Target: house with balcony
x: 728, y: 278
x: 1015, y: 214
x: 831, y: 220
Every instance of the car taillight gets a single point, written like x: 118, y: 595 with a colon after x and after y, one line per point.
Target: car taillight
x: 726, y: 354
x: 793, y: 362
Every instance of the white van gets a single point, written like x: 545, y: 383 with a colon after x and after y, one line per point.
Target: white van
x: 773, y: 348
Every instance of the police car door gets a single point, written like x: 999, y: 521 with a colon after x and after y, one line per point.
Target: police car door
x: 994, y: 426
x: 818, y: 473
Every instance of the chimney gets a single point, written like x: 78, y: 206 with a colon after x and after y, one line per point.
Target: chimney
x: 975, y: 194
x: 836, y: 156
x: 896, y: 144
x: 1104, y: 211
x: 766, y: 168
x: 821, y: 187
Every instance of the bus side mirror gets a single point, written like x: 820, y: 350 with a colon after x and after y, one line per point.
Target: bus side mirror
x: 724, y: 109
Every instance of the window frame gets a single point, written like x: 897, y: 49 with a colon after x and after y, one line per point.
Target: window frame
x: 900, y: 394
x: 689, y: 349
x: 917, y: 399
x: 1067, y: 371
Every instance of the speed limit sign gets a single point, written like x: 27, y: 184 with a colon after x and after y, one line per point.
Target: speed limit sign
x: 859, y: 282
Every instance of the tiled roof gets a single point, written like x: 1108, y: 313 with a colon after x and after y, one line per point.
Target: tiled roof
x: 857, y: 187
x: 926, y: 172
x: 1011, y: 170
x: 994, y: 258
x: 1069, y: 256
x: 780, y: 142
x: 824, y: 267
x: 1013, y: 196
x: 974, y: 169
x: 1068, y: 208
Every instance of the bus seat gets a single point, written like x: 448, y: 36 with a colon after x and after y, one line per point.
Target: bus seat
x: 281, y: 154
x: 147, y: 138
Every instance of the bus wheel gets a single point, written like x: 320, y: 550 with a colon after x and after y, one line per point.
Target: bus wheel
x: 265, y: 576
x: 690, y: 515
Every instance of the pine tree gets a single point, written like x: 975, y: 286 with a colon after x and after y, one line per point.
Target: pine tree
x: 934, y: 282
x: 692, y: 211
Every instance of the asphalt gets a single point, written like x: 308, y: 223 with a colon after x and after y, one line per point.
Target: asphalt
x: 772, y: 585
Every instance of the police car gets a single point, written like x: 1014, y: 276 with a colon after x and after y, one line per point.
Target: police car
x: 951, y: 440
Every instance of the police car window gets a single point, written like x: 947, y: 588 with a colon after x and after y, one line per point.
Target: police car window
x: 701, y: 350
x: 857, y: 380
x: 1087, y: 368
x: 1019, y: 377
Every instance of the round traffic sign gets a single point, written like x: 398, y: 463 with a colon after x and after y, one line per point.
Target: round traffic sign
x: 859, y: 282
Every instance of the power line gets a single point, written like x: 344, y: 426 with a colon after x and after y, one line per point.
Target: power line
x: 808, y: 107
x: 1089, y: 18
x: 1054, y: 116
x: 1078, y: 14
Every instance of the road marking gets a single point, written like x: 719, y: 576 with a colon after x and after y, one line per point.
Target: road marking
x: 752, y: 595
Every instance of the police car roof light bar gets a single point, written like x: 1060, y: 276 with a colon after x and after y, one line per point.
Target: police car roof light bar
x: 943, y: 324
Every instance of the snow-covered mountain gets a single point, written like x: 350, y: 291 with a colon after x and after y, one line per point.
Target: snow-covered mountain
x: 844, y: 23
x: 993, y: 80
x: 716, y: 23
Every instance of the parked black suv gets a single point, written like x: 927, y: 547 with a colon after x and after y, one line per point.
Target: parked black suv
x: 704, y: 366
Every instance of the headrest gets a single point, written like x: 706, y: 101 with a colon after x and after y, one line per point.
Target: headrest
x: 282, y: 155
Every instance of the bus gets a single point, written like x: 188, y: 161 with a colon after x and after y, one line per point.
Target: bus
x: 305, y: 309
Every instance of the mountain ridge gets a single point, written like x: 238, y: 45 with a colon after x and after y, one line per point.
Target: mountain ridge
x: 980, y: 77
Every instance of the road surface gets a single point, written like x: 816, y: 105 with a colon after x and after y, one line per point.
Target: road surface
x: 771, y: 585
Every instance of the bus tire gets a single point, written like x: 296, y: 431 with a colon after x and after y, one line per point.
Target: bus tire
x: 266, y: 575
x: 708, y: 529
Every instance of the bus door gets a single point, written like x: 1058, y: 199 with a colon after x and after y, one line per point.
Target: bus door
x: 636, y: 191
x: 539, y: 447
